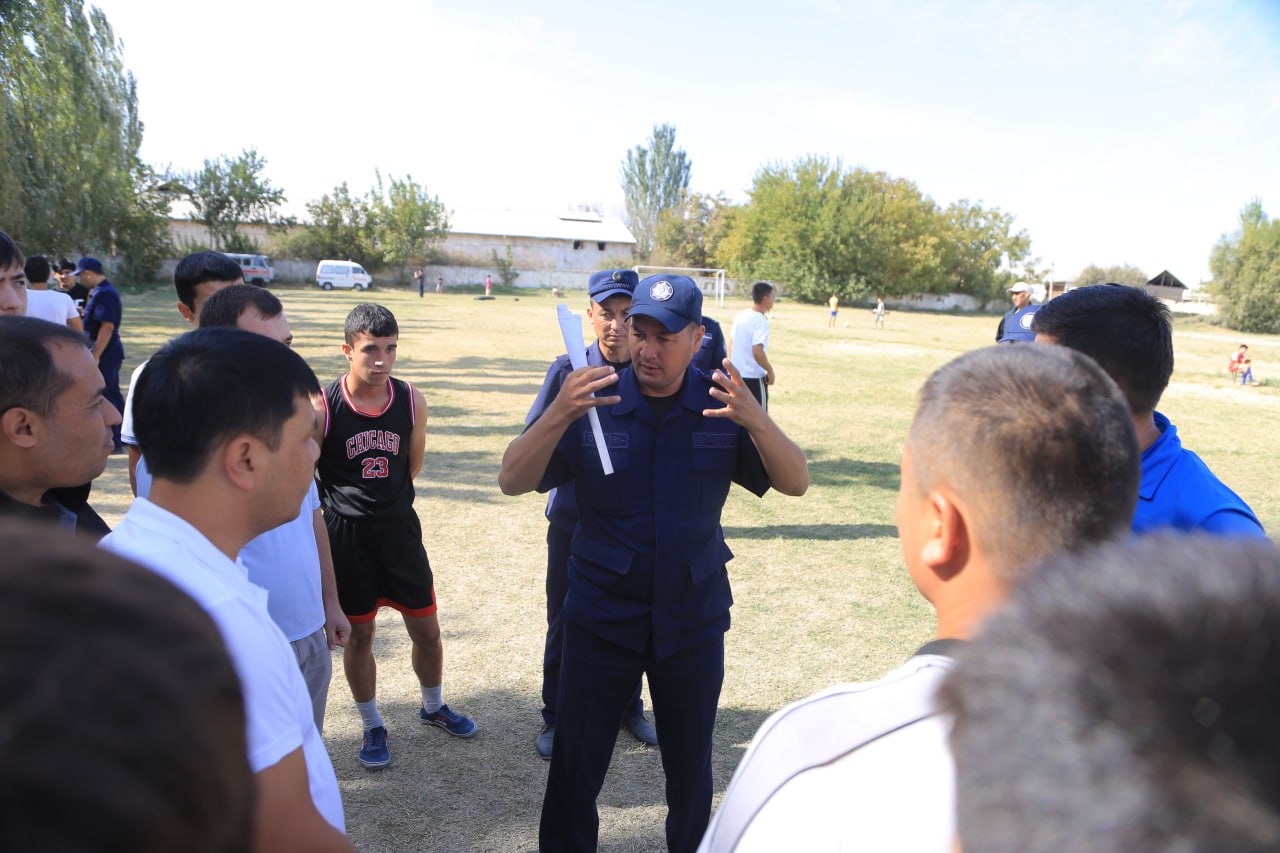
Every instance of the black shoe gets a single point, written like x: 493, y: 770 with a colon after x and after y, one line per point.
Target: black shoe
x: 546, y: 740
x: 641, y: 729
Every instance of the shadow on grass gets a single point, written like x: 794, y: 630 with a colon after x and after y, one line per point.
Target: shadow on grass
x: 854, y: 472
x: 522, y: 367
x: 818, y: 532
x: 524, y: 389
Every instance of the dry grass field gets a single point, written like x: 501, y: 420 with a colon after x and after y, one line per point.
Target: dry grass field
x: 821, y: 593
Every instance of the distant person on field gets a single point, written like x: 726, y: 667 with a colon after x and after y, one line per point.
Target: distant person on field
x: 291, y: 562
x: 439, y: 282
x: 488, y: 285
x: 226, y: 418
x: 834, y: 304
x: 867, y: 766
x: 1125, y: 700
x: 1242, y: 365
x: 45, y: 298
x: 749, y: 343
x: 1128, y: 332
x: 1015, y: 325
x: 196, y: 277
x: 878, y: 313
x: 131, y: 738
x: 420, y: 279
x: 102, y: 317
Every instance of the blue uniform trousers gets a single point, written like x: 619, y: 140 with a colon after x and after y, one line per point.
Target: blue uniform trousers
x: 596, y: 677
x: 558, y: 543
x: 109, y: 367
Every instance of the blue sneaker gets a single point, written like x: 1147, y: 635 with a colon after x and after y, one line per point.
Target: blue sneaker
x: 453, y: 723
x: 373, y: 751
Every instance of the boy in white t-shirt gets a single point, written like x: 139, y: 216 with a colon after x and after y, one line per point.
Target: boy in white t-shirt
x: 45, y: 302
x: 750, y: 341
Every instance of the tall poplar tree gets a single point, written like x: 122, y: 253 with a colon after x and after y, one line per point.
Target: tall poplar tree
x: 655, y: 178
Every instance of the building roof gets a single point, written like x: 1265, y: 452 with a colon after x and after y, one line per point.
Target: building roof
x: 1166, y: 279
x: 567, y: 225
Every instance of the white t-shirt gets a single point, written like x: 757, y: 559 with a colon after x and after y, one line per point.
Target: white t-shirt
x: 51, y: 305
x: 750, y: 327
x: 126, y: 423
x: 285, y: 561
x: 278, y: 712
x: 854, y: 767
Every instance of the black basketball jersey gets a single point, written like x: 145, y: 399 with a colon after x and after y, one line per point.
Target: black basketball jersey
x: 363, y: 470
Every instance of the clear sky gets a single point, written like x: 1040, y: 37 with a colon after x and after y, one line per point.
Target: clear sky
x: 1129, y: 131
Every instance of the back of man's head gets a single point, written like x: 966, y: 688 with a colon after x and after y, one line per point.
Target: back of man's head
x: 1036, y: 443
x: 38, y: 269
x: 223, y: 309
x: 121, y: 718
x: 1124, y: 329
x: 372, y: 319
x: 1124, y: 700
x: 760, y: 290
x: 29, y: 378
x: 200, y: 268
x: 208, y: 386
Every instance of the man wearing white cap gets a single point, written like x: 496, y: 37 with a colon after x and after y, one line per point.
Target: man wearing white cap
x: 1016, y: 323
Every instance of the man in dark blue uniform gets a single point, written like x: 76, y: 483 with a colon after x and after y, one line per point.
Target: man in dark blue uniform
x: 102, y: 318
x: 712, y: 353
x: 648, y: 589
x: 1015, y: 325
x: 609, y: 292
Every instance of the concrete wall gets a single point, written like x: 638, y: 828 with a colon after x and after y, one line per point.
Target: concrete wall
x: 934, y: 302
x: 535, y: 253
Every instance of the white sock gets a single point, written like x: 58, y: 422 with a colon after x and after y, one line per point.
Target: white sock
x: 431, y: 700
x: 369, y: 714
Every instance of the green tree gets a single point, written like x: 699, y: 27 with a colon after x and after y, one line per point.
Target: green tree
x: 340, y: 228
x: 818, y: 228
x: 655, y: 178
x: 980, y: 248
x: 689, y: 235
x: 1246, y: 272
x: 1117, y: 273
x: 70, y: 176
x: 505, y: 266
x: 405, y: 222
x: 231, y: 191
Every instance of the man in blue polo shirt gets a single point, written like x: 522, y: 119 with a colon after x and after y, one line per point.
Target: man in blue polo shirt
x: 648, y: 589
x: 1127, y: 331
x: 609, y: 294
x: 102, y: 316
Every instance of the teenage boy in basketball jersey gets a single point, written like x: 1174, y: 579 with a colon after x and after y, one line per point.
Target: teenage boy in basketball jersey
x: 375, y: 433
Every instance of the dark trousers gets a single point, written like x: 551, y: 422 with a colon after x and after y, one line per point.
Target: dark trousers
x: 109, y: 367
x: 558, y: 543
x: 596, y: 677
x: 759, y: 390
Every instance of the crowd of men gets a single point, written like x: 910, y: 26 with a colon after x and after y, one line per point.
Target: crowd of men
x: 1107, y: 630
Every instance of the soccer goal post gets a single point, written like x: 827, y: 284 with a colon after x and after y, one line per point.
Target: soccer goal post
x: 710, y: 281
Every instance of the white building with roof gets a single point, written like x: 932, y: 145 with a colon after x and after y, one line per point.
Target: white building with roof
x: 546, y: 248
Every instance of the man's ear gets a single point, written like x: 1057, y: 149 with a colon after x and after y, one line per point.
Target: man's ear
x: 346, y: 350
x: 240, y: 462
x: 187, y: 313
x: 21, y: 427
x: 946, y: 550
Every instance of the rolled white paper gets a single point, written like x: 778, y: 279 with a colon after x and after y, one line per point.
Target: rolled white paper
x: 571, y: 330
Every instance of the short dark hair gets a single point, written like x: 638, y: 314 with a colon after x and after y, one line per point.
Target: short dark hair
x: 28, y: 377
x: 65, y: 265
x: 1041, y: 444
x: 760, y: 290
x: 1124, y: 329
x: 1123, y: 700
x: 37, y: 269
x: 225, y: 307
x: 123, y: 715
x: 10, y: 254
x: 200, y: 268
x: 210, y: 385
x: 369, y: 318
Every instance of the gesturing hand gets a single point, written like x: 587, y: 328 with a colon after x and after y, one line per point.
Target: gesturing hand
x: 576, y: 393
x: 741, y: 406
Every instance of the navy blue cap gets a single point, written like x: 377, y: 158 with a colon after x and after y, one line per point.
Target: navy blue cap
x: 608, y: 283
x: 673, y: 300
x: 90, y: 264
